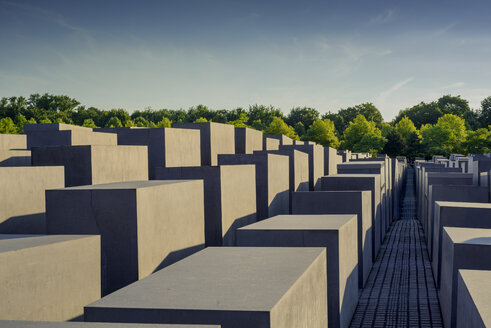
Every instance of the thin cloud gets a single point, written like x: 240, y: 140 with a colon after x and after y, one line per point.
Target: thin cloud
x: 385, y: 17
x: 396, y: 87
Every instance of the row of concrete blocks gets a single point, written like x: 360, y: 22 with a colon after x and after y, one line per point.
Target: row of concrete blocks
x: 456, y: 215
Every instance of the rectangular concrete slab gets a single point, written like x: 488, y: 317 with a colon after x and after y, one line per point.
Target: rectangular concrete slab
x: 370, y: 182
x: 271, y: 144
x: 248, y: 140
x: 456, y: 214
x: 216, y: 138
x: 462, y: 248
x: 343, y: 202
x: 331, y: 161
x: 13, y: 141
x: 284, y: 140
x: 40, y: 324
x: 144, y: 225
x: 272, y: 181
x: 229, y: 197
x: 48, y: 277
x: 451, y: 193
x: 316, y: 162
x: 15, y: 157
x: 22, y: 200
x: 335, y: 232
x: 87, y: 165
x: 167, y: 147
x: 236, y: 287
x: 474, y: 299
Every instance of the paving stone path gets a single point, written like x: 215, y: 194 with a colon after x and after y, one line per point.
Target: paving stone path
x: 400, y: 291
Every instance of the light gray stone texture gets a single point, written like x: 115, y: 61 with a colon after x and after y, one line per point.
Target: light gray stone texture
x: 216, y: 138
x: 22, y: 200
x: 284, y: 140
x: 462, y: 248
x: 331, y: 161
x: 343, y: 202
x: 40, y: 324
x: 338, y: 233
x: 451, y: 193
x: 248, y: 140
x: 48, y: 277
x: 167, y: 147
x: 316, y: 162
x: 13, y: 141
x: 14, y: 157
x: 272, y: 181
x: 144, y: 225
x: 229, y: 197
x: 87, y: 165
x: 456, y: 214
x: 271, y: 144
x: 474, y: 299
x: 359, y: 182
x: 237, y: 287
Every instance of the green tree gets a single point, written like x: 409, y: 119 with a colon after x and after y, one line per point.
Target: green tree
x: 421, y: 114
x: 201, y: 120
x: 45, y: 121
x: 405, y: 127
x: 395, y: 144
x: 129, y: 123
x: 89, y: 123
x: 363, y: 136
x: 485, y: 116
x: 241, y: 121
x: 7, y: 126
x: 478, y: 142
x: 20, y: 121
x: 445, y: 137
x: 278, y: 126
x: 164, y: 123
x: 323, y: 132
x: 414, y: 148
x: 304, y: 115
x: 261, y: 116
x: 453, y: 105
x: 114, y: 122
x: 299, y: 129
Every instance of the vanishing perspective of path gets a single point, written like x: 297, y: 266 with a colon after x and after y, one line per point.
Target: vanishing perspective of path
x: 400, y: 291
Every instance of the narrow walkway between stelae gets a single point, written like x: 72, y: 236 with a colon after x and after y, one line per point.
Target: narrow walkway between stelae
x: 400, y: 291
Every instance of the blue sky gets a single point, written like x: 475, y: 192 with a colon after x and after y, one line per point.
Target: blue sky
x: 225, y: 54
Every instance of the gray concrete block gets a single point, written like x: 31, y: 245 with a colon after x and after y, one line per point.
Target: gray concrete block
x: 87, y: 165
x: 343, y: 202
x: 15, y: 157
x: 456, y: 214
x: 331, y: 161
x: 48, y: 277
x: 248, y: 140
x: 22, y: 201
x: 144, y: 225
x: 474, y: 299
x: 237, y: 287
x: 462, y: 248
x: 284, y: 140
x: 299, y: 169
x: 59, y: 134
x: 316, y: 162
x: 229, y: 197
x: 216, y: 138
x: 359, y: 182
x: 41, y: 324
x: 338, y: 233
x: 451, y: 193
x: 272, y: 181
x: 13, y: 141
x: 271, y: 144
x: 167, y: 147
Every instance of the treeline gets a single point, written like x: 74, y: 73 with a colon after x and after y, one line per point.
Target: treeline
x: 445, y: 126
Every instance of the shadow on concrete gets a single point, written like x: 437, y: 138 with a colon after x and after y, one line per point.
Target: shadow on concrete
x: 229, y: 236
x: 178, y: 255
x: 25, y: 224
x: 16, y: 161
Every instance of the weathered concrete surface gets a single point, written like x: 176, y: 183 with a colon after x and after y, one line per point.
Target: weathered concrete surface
x: 451, y: 193
x: 335, y: 232
x: 343, y: 202
x: 299, y: 169
x: 237, y: 287
x: 284, y: 140
x: 272, y: 181
x: 456, y: 214
x: 40, y: 324
x: 216, y: 138
x: 59, y: 134
x: 14, y: 157
x: 22, y: 200
x: 87, y: 165
x: 316, y: 162
x: 144, y: 225
x: 167, y: 147
x: 331, y: 161
x: 359, y: 182
x: 271, y: 144
x: 13, y: 141
x: 48, y: 277
x: 474, y: 299
x: 247, y: 140
x: 462, y: 248
x: 229, y: 197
